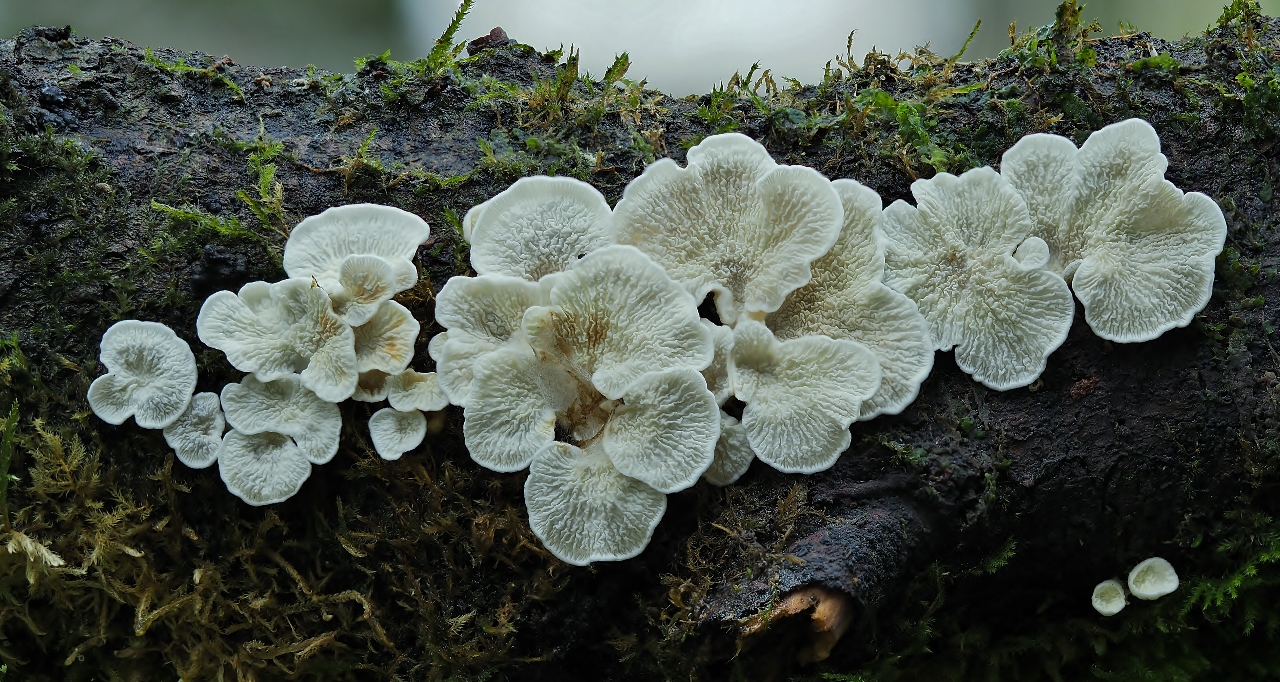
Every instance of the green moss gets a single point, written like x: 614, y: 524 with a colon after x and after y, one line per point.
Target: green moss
x: 1162, y: 63
x: 213, y: 73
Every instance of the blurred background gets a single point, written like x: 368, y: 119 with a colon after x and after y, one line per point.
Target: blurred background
x: 681, y: 46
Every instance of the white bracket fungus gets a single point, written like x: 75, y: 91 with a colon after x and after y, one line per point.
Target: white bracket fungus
x: 1138, y: 252
x: 412, y: 390
x: 372, y: 387
x: 281, y: 329
x: 584, y: 510
x: 1108, y: 597
x: 733, y: 454
x: 954, y: 255
x: 512, y: 410
x: 732, y: 222
x: 287, y: 407
x: 664, y: 432
x: 386, y: 341
x: 801, y: 395
x: 395, y: 432
x: 848, y: 299
x: 151, y: 374
x: 537, y: 226
x: 1152, y: 579
x: 262, y: 468
x: 196, y: 436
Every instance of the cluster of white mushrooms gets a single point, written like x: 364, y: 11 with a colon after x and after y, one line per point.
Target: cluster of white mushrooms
x: 1150, y: 579
x: 578, y: 352
x: 328, y: 333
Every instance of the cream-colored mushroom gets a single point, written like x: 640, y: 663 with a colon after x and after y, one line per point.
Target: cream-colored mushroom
x: 151, y: 374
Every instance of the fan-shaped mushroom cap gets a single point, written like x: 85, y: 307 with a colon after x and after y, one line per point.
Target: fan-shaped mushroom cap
x: 732, y: 222
x: 801, y: 395
x: 538, y: 226
x: 511, y: 413
x: 665, y: 431
x: 717, y: 373
x: 953, y: 255
x: 319, y: 244
x: 1138, y: 252
x: 847, y: 299
x: 365, y: 283
x: 150, y: 375
x: 615, y: 316
x: 1108, y: 597
x: 411, y: 390
x: 482, y: 315
x: 284, y: 329
x: 1152, y: 579
x: 733, y: 453
x: 372, y: 387
x: 196, y: 435
x: 262, y: 468
x: 395, y: 433
x: 284, y: 406
x: 584, y: 510
x: 386, y: 341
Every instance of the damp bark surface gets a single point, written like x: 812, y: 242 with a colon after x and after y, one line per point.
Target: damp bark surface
x: 135, y: 182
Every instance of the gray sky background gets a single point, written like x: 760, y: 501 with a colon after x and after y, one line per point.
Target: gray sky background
x: 681, y: 46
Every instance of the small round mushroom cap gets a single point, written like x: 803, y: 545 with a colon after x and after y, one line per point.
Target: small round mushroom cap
x: 365, y: 283
x: 1139, y: 254
x: 151, y: 374
x: 616, y: 316
x: 411, y: 390
x: 848, y: 299
x: 290, y: 329
x: 284, y: 406
x: 196, y: 436
x: 372, y: 387
x: 953, y: 254
x: 665, y: 431
x: 262, y: 468
x: 395, y: 433
x: 733, y: 453
x: 1108, y: 597
x: 801, y: 395
x: 584, y: 510
x: 320, y: 243
x: 511, y: 413
x: 1152, y: 579
x: 482, y: 315
x: 386, y: 341
x: 732, y: 222
x: 537, y: 226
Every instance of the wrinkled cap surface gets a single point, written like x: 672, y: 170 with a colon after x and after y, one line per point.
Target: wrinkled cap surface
x: 801, y: 395
x: 262, y: 468
x: 537, y: 226
x: 1152, y: 579
x: 283, y: 328
x: 395, y: 433
x: 733, y: 453
x: 615, y: 316
x: 511, y: 414
x: 482, y: 314
x: 372, y: 387
x: 732, y: 222
x: 365, y: 282
x: 284, y: 406
x: 717, y: 373
x: 1108, y: 597
x: 196, y: 436
x: 583, y: 509
x: 411, y: 390
x: 151, y: 374
x: 665, y: 431
x: 320, y: 243
x: 953, y: 254
x: 386, y: 341
x: 847, y: 299
x: 1139, y: 253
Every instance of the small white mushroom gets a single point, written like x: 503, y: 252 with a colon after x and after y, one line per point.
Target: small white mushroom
x: 196, y: 436
x: 395, y: 433
x: 733, y: 453
x: 953, y: 254
x: 386, y: 341
x: 732, y: 222
x: 1138, y: 253
x: 1152, y: 579
x: 372, y: 387
x: 365, y: 283
x: 1108, y: 597
x: 537, y: 226
x: 584, y: 510
x: 151, y: 374
x: 664, y: 432
x: 616, y: 316
x: 285, y: 328
x: 848, y: 299
x: 411, y: 390
x: 284, y: 406
x: 319, y: 244
x: 262, y: 468
x: 512, y: 411
x: 801, y: 395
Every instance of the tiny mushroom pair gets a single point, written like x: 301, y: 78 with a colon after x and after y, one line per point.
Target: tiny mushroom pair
x: 1150, y: 579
